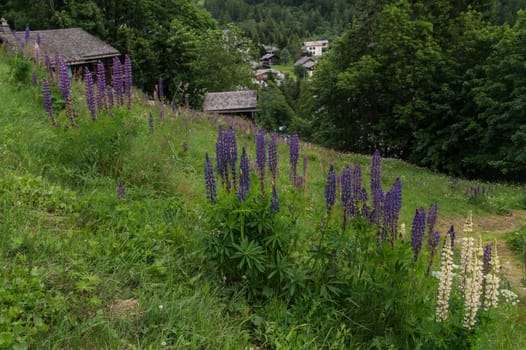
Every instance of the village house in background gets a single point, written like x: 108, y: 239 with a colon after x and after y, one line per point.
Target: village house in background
x: 308, y: 63
x: 75, y: 46
x: 269, y: 59
x: 315, y: 48
x: 263, y: 75
x: 231, y: 102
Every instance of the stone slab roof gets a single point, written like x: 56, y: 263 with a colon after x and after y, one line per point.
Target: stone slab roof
x: 74, y: 45
x: 231, y: 101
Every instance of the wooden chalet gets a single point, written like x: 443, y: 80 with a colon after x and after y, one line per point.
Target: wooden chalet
x: 75, y: 46
x: 231, y: 102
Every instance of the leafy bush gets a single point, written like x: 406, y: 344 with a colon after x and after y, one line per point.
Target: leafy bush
x: 517, y: 240
x: 251, y: 247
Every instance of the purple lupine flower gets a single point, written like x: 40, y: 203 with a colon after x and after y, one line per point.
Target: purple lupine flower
x: 48, y: 104
x: 391, y: 210
x: 38, y: 39
x: 117, y: 80
x: 434, y: 239
x: 488, y: 249
x: 27, y: 34
x: 451, y: 234
x: 299, y: 182
x: 121, y: 192
x: 128, y: 80
x: 346, y: 196
x: 150, y: 123
x: 232, y: 154
x: 47, y: 62
x: 36, y: 53
x: 432, y: 216
x: 57, y: 65
x: 34, y: 79
x: 223, y: 156
x: 376, y: 188
x: 65, y: 80
x: 101, y: 86
x: 90, y: 93
x: 210, y: 181
x: 244, y: 177
x: 273, y: 157
x: 294, y: 145
x: 330, y: 189
x: 274, y: 202
x: 261, y: 157
x: 359, y: 194
x: 417, y: 231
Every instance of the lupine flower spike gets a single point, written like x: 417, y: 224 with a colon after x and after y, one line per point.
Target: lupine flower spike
x: 468, y: 226
x: 273, y: 158
x: 128, y: 80
x: 330, y: 189
x: 491, y: 278
x: 472, y: 280
x: 294, y: 146
x: 210, y: 181
x: 417, y: 231
x: 90, y: 94
x: 376, y: 189
x: 261, y: 157
x: 446, y: 280
x: 48, y: 105
x: 244, y: 177
x: 101, y: 87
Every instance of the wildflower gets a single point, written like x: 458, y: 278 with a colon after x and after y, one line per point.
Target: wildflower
x: 244, y: 177
x: 128, y: 79
x: 432, y: 218
x: 273, y: 157
x: 210, y: 181
x: 64, y: 79
x: 472, y: 280
x: 433, y: 241
x: 451, y: 233
x: 359, y: 194
x: 509, y: 296
x: 121, y: 192
x: 34, y: 79
x: 417, y: 231
x: 90, y: 94
x: 330, y: 189
x: 346, y: 195
x: 294, y: 146
x: 117, y: 80
x: 402, y: 230
x: 47, y: 62
x: 232, y: 154
x: 161, y: 307
x: 491, y: 278
x: 391, y: 210
x: 446, y: 281
x: 274, y: 202
x: 468, y: 226
x: 38, y: 39
x: 261, y: 157
x: 48, y: 105
x: 101, y: 86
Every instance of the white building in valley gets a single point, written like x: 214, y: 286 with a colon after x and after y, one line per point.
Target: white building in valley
x: 315, y: 48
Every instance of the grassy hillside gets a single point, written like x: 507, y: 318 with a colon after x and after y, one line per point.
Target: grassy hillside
x: 83, y: 268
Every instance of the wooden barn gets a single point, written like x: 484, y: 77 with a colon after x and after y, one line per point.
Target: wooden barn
x: 75, y: 46
x: 231, y: 102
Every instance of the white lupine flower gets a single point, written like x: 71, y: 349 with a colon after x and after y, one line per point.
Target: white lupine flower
x: 468, y: 226
x: 491, y: 295
x: 473, y: 278
x: 446, y: 280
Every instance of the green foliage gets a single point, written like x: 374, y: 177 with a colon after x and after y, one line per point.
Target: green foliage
x: 97, y: 147
x: 252, y: 247
x: 517, y: 241
x: 20, y: 70
x: 274, y: 109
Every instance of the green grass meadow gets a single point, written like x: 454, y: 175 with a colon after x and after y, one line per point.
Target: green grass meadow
x: 82, y: 269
